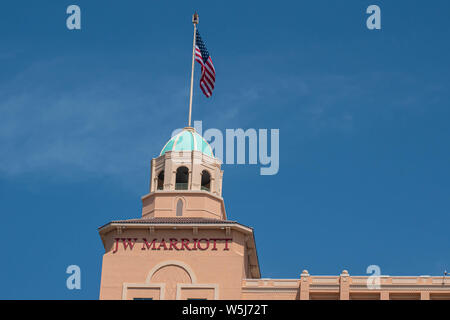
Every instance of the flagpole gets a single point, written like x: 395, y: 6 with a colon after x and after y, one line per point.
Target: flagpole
x: 194, y: 21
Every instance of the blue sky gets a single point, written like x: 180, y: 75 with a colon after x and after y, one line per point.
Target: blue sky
x: 363, y: 118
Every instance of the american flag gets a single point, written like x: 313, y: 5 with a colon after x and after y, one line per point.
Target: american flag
x: 208, y: 72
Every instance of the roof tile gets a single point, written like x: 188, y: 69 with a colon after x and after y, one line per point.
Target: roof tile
x: 177, y: 220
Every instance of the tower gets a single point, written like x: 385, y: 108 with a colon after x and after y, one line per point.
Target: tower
x: 183, y: 246
x: 187, y: 174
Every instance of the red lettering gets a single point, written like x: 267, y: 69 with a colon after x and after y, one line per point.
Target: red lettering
x: 128, y: 243
x: 226, y: 243
x: 184, y: 244
x: 214, y: 243
x: 148, y: 245
x: 173, y: 244
x: 162, y: 243
x: 117, y: 245
x: 195, y: 244
x: 199, y: 244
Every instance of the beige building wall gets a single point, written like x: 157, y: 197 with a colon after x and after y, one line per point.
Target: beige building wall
x: 353, y: 288
x: 170, y: 273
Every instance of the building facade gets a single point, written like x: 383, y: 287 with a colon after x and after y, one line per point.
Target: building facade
x: 184, y: 247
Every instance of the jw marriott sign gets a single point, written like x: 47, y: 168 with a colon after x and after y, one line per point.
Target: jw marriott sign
x: 174, y: 244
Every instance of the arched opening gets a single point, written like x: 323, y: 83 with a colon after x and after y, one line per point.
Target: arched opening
x: 181, y: 182
x: 206, y: 181
x: 160, y: 184
x: 179, y: 208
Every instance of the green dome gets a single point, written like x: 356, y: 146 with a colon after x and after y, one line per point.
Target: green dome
x: 188, y: 140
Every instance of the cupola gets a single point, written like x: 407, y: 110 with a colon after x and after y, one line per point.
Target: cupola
x: 186, y: 180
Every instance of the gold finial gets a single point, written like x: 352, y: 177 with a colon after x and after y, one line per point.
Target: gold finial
x: 195, y: 18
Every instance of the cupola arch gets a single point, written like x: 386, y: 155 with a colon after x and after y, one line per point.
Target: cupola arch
x: 182, y: 178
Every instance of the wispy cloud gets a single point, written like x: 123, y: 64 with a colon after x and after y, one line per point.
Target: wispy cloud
x: 67, y: 124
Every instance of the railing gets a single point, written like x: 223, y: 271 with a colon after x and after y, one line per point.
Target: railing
x: 184, y: 186
x: 181, y: 186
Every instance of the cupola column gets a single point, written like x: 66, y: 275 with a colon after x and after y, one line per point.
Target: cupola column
x: 213, y: 185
